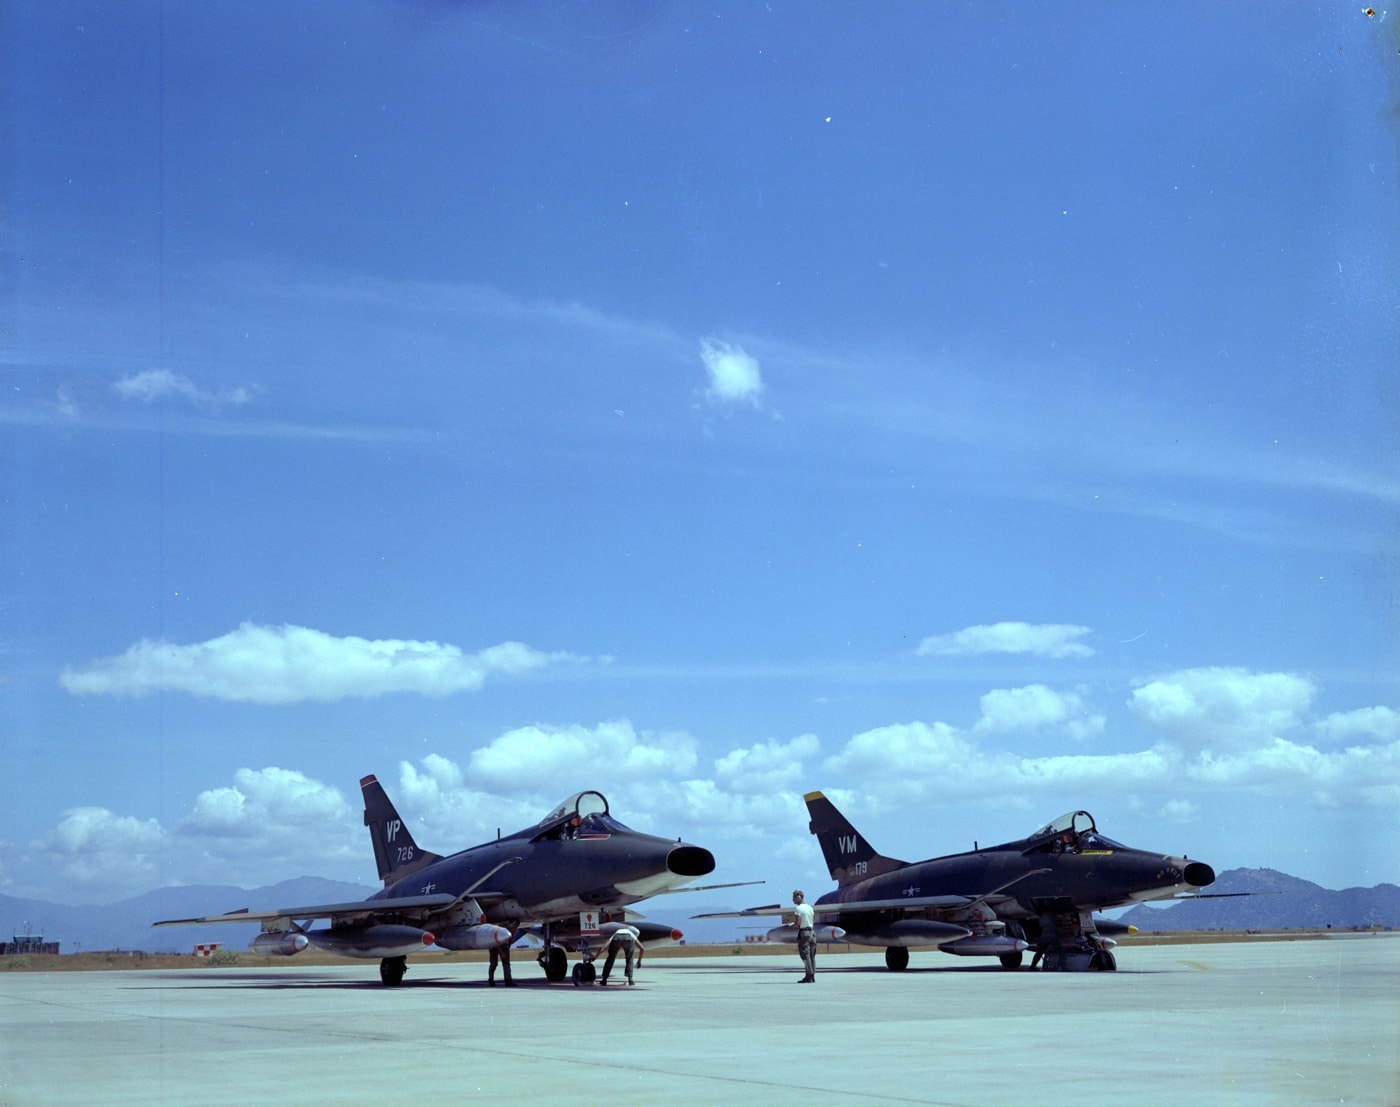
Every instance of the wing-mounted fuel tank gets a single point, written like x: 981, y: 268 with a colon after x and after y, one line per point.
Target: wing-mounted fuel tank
x: 381, y: 940
x: 278, y: 944
x: 907, y: 932
x: 824, y: 933
x: 475, y: 936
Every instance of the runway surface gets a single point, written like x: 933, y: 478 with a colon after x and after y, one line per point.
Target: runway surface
x: 1305, y: 1022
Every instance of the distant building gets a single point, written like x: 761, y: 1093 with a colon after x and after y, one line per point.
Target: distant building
x: 27, y: 943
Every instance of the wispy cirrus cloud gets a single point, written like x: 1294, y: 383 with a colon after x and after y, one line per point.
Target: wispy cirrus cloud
x: 289, y: 664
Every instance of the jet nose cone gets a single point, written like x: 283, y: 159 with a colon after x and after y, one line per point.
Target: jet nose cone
x: 690, y: 861
x: 1199, y: 873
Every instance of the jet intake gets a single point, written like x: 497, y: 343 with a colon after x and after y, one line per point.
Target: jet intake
x: 690, y: 861
x: 985, y: 945
x: 477, y: 936
x: 282, y: 944
x: 1199, y: 874
x: 383, y: 940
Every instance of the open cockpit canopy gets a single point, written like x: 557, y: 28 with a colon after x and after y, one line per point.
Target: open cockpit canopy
x: 583, y: 813
x: 1073, y: 831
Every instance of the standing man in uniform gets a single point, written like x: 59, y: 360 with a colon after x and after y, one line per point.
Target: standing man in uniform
x: 806, y: 942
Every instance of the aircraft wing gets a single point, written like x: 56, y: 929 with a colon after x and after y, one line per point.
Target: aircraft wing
x: 904, y: 903
x: 357, y: 908
x: 922, y: 903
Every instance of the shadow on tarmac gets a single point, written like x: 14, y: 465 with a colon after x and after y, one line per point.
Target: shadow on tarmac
x: 881, y: 970
x: 284, y: 981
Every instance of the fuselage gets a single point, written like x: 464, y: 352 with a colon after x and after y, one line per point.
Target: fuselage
x: 1032, y: 882
x: 541, y: 878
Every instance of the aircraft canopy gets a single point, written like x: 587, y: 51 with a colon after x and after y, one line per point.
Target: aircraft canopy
x: 582, y: 815
x: 1076, y: 822
x: 581, y: 804
x: 1079, y: 827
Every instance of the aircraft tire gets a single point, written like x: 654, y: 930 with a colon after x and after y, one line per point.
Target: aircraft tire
x: 896, y: 958
x: 1010, y: 961
x: 391, y: 970
x: 557, y: 967
x: 1103, y: 961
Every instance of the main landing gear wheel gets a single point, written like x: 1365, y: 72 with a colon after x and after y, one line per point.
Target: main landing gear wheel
x: 896, y: 958
x: 556, y: 964
x: 584, y: 973
x: 391, y: 971
x: 1010, y: 960
x: 1103, y: 961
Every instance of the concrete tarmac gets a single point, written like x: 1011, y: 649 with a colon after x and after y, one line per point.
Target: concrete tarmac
x: 1276, y: 1022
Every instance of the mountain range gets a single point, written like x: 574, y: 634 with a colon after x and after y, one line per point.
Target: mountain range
x: 1265, y: 899
x: 126, y: 924
x: 1274, y: 901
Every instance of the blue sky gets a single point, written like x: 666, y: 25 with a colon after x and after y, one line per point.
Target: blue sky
x: 974, y: 412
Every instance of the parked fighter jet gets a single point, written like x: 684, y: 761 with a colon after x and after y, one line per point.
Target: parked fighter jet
x: 1039, y: 893
x: 558, y: 875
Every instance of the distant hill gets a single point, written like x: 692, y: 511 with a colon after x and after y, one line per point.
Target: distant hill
x: 1276, y: 901
x: 126, y: 925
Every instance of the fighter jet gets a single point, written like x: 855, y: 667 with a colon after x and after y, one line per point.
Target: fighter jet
x: 1038, y: 893
x: 560, y: 875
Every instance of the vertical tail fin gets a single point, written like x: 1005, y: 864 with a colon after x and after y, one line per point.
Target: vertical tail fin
x: 848, y: 855
x: 395, y: 851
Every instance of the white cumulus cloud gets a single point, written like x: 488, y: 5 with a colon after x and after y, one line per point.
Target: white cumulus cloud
x: 263, y: 798
x: 1039, y: 640
x: 100, y: 852
x: 1034, y: 707
x: 766, y: 767
x: 561, y: 755
x: 1367, y: 724
x: 911, y: 763
x: 1223, y: 709
x: 733, y: 375
x: 95, y: 830
x: 905, y: 750
x: 288, y: 664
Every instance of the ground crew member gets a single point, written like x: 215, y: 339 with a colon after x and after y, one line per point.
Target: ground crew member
x: 500, y: 953
x: 625, y: 939
x: 806, y: 941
